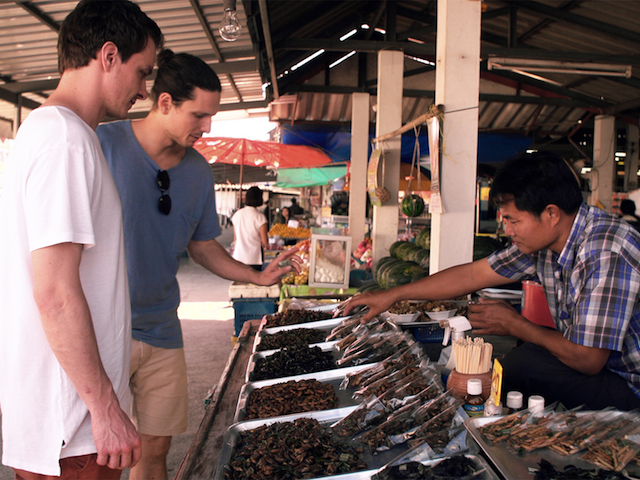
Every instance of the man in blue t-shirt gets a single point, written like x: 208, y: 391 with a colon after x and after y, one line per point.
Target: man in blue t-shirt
x: 168, y: 200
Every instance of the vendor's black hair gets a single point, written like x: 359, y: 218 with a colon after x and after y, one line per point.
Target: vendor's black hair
x: 535, y: 180
x: 179, y: 74
x: 628, y: 207
x: 253, y: 197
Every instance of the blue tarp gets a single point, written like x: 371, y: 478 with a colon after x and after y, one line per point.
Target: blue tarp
x: 336, y: 142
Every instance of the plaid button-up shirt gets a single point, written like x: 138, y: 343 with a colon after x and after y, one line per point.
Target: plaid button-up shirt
x: 592, y: 287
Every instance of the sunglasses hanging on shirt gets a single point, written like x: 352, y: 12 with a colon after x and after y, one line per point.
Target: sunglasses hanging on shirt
x: 163, y: 181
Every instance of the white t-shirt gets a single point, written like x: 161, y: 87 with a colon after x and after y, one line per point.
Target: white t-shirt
x: 246, y: 223
x: 57, y: 189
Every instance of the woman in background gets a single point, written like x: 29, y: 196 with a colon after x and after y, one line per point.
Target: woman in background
x: 250, y: 230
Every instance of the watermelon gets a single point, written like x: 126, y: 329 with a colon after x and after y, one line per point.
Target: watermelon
x: 370, y: 286
x: 484, y: 246
x: 422, y: 258
x: 411, y: 253
x: 423, y: 239
x: 380, y: 274
x: 403, y: 250
x: 412, y: 205
x: 400, y: 274
x: 395, y: 246
x: 381, y: 264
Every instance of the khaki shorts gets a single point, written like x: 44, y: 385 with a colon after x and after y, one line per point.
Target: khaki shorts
x: 158, y: 381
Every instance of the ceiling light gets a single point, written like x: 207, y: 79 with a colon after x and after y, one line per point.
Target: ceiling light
x: 230, y: 27
x: 348, y: 35
x: 580, y: 68
x: 342, y: 59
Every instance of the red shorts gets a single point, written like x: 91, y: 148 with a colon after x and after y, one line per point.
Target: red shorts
x: 83, y: 467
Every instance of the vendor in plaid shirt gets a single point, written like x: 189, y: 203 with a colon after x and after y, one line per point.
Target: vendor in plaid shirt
x: 589, y: 264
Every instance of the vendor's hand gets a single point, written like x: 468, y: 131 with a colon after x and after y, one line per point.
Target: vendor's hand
x: 493, y: 317
x: 274, y: 272
x: 377, y: 302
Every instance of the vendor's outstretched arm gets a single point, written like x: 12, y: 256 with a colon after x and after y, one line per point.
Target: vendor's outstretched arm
x: 213, y: 256
x: 444, y: 285
x: 494, y: 317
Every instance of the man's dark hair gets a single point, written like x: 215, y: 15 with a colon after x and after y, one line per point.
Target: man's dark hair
x: 628, y: 207
x: 179, y: 74
x: 535, y: 180
x: 93, y: 23
x: 253, y: 198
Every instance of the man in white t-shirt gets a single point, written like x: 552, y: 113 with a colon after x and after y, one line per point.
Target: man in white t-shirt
x: 65, y: 328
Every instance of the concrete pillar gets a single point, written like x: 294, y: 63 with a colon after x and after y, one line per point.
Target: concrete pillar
x: 388, y: 119
x: 457, y: 88
x: 359, y: 158
x: 604, y: 148
x: 631, y: 160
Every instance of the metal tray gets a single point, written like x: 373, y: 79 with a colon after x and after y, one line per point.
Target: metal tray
x: 327, y: 325
x: 516, y: 466
x: 263, y: 322
x: 334, y: 377
x: 325, y: 347
x: 232, y: 435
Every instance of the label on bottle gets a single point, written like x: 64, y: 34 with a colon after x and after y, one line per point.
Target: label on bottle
x: 474, y: 410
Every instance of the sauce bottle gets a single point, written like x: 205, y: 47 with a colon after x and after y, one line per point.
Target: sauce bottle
x: 473, y: 401
x: 536, y: 404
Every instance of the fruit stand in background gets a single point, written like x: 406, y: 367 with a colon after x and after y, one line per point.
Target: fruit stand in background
x: 302, y: 278
x: 284, y: 231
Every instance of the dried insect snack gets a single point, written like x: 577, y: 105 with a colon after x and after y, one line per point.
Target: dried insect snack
x: 456, y: 467
x: 297, y: 336
x: 548, y: 472
x: 370, y: 412
x: 291, y: 450
x: 377, y: 347
x: 295, y: 360
x: 346, y: 327
x: 439, y: 430
x: 503, y: 427
x: 397, y: 398
x: 293, y: 316
x: 586, y: 428
x: 413, y: 378
x: 290, y: 397
x: 616, y: 451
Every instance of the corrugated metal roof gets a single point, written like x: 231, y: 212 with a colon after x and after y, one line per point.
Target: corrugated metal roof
x: 552, y: 104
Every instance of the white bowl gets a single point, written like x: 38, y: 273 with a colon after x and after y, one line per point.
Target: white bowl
x: 404, y: 317
x: 443, y: 315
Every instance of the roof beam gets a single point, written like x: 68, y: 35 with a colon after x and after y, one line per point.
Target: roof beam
x: 371, y: 46
x: 557, y: 13
x: 13, y: 98
x: 40, y: 15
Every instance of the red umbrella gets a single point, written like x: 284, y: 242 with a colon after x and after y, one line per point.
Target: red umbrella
x: 241, y: 151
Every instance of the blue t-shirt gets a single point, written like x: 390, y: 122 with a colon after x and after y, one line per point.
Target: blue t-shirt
x: 154, y: 242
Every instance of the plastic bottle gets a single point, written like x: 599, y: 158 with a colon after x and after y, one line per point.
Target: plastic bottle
x: 514, y: 402
x: 491, y: 409
x: 536, y: 404
x: 473, y: 401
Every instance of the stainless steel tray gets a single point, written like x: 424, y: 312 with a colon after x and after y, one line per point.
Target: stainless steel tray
x: 263, y: 322
x: 232, y: 435
x: 327, y: 325
x: 325, y: 347
x: 334, y: 377
x: 516, y: 466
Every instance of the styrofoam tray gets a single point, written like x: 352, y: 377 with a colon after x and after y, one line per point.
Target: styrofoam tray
x: 334, y: 377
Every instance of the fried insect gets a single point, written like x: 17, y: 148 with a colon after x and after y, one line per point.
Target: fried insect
x: 290, y: 397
